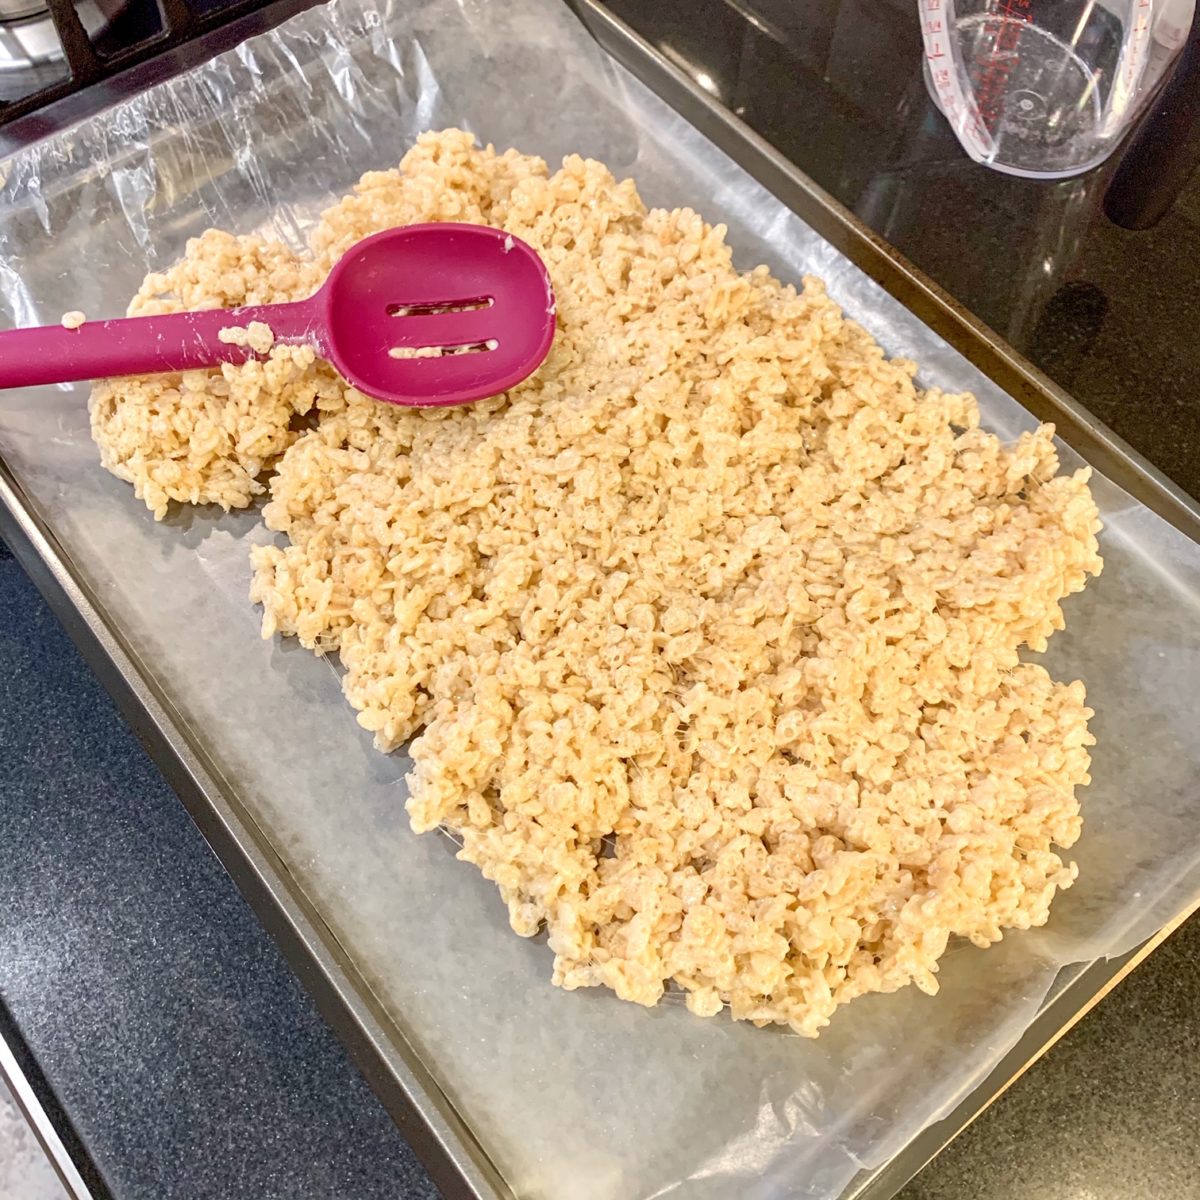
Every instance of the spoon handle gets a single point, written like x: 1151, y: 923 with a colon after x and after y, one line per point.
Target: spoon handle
x: 145, y: 345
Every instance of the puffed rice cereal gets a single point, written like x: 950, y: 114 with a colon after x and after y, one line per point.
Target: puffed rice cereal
x: 706, y: 635
x: 257, y: 336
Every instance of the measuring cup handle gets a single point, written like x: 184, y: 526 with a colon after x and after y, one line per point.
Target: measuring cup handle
x: 1165, y: 150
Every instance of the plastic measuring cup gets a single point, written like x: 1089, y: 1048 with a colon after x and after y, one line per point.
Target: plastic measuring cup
x: 1046, y: 88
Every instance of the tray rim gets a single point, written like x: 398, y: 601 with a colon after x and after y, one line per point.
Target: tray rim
x: 456, y: 1160
x: 35, y: 1101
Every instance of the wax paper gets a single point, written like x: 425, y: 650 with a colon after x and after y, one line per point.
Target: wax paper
x: 575, y: 1096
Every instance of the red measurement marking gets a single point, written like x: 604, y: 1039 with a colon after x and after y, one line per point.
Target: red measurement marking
x: 1008, y: 37
x: 998, y: 61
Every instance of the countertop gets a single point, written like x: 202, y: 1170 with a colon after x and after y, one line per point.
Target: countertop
x: 184, y: 1053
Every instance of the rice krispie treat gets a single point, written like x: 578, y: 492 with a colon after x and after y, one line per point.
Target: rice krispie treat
x: 205, y: 437
x: 707, y: 634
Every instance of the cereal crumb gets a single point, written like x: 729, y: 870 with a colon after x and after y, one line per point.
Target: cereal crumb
x: 256, y: 336
x: 707, y: 635
x: 73, y: 319
x: 415, y: 352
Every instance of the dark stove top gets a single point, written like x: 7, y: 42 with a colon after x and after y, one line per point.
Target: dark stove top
x: 51, y: 49
x: 193, y: 31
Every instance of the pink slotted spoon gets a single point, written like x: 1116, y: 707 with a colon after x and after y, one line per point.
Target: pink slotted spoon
x: 422, y: 315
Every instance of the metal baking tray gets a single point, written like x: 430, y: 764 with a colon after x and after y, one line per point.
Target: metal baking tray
x: 458, y: 1157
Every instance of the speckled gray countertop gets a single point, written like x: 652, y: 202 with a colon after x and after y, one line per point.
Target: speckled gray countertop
x: 188, y: 1058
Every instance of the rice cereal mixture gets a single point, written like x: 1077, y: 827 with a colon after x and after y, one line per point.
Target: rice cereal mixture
x: 706, y: 635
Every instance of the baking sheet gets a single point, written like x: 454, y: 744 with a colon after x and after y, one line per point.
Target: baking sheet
x: 573, y: 1095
